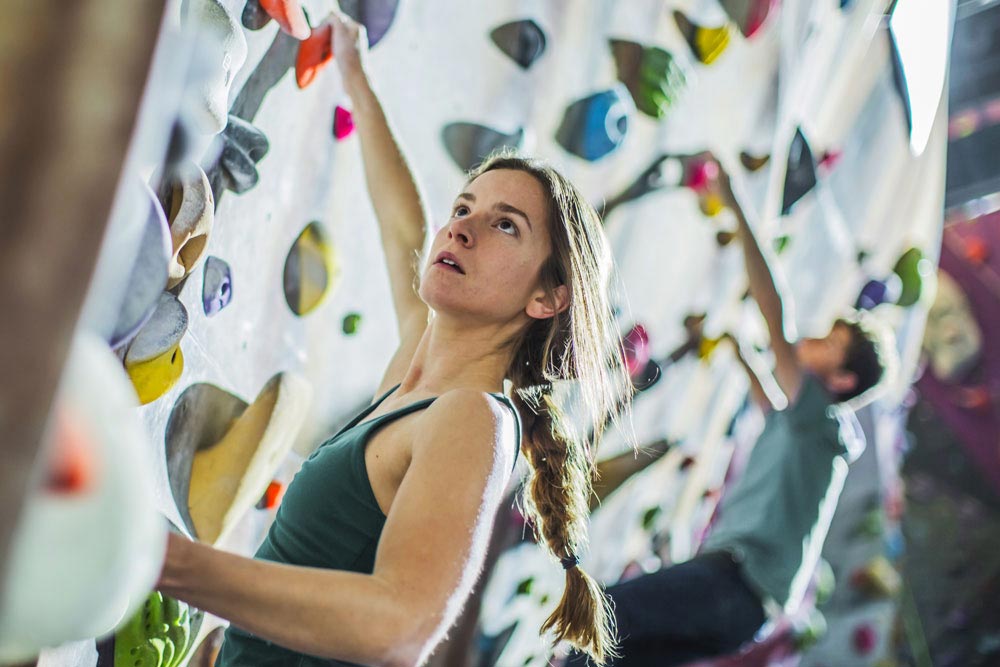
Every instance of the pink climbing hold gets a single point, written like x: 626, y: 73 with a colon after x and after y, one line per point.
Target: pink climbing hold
x: 864, y: 638
x: 343, y: 123
x: 829, y: 159
x: 701, y: 174
x: 636, y: 344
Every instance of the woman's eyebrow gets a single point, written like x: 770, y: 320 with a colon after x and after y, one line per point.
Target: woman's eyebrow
x: 507, y: 208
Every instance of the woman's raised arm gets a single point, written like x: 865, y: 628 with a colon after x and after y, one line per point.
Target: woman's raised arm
x: 399, y: 206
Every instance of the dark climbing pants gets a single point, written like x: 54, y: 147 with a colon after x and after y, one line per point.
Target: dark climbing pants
x: 691, y: 611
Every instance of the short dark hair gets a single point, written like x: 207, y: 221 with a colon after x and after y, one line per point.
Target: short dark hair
x: 866, y: 357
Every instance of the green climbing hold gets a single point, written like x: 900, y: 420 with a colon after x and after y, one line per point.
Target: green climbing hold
x: 826, y: 582
x: 159, y: 635
x: 912, y: 268
x: 351, y: 323
x: 649, y: 517
x: 652, y: 75
x: 524, y: 587
x: 781, y: 243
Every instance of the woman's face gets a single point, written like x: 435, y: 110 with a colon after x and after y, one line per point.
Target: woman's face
x: 486, y: 261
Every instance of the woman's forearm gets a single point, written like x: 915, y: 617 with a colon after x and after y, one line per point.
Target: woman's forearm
x: 392, y: 187
x: 328, y: 613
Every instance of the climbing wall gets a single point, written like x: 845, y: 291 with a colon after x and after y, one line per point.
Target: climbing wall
x: 241, y: 284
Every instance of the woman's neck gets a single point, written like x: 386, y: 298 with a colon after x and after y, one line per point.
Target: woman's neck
x: 459, y: 356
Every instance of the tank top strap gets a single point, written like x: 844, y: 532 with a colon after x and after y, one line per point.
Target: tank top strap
x: 503, y: 398
x: 367, y: 411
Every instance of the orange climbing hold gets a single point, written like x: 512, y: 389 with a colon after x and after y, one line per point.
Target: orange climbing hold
x: 71, y: 469
x: 314, y: 54
x: 289, y: 15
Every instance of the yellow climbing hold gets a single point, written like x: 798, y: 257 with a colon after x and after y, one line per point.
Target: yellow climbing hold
x: 155, y: 377
x: 310, y: 270
x: 711, y: 205
x: 709, y: 43
x: 706, y: 347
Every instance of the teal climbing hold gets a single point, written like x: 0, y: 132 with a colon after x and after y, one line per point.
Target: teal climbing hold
x: 594, y: 126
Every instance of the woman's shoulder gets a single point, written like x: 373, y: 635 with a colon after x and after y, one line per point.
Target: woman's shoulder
x: 478, y: 423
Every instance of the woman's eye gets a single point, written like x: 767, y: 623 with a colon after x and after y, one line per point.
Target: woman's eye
x: 460, y: 211
x: 507, y: 227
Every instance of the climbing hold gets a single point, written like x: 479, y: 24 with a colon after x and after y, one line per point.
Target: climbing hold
x: 700, y: 174
x: 221, y: 50
x: 254, y: 17
x: 310, y: 270
x: 376, y: 15
x: 315, y: 53
x: 186, y: 196
x: 650, y: 516
x: 343, y: 123
x: 724, y: 238
x: 707, y: 347
x: 807, y: 632
x: 864, y: 639
x: 953, y: 339
x: 648, y: 376
x: 753, y: 162
x: 975, y: 249
x: 289, y: 15
x: 80, y: 562
x: 148, y: 275
x: 158, y: 635
x: 652, y: 75
x: 523, y: 41
x: 877, y: 578
x: 780, y: 243
x: 469, y: 144
x: 877, y: 292
x: 154, y: 360
x: 749, y: 15
x: 829, y: 159
x: 636, y: 348
x: 826, y: 582
x: 912, y: 268
x: 707, y: 44
x: 524, y: 586
x: 71, y: 466
x: 273, y: 494
x: 351, y: 323
x: 243, y: 146
x: 711, y: 205
x: 216, y: 286
x: 665, y: 171
x: 228, y: 476
x: 595, y: 125
x: 800, y: 176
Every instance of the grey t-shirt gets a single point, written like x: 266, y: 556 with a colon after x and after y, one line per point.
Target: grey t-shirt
x: 776, y: 516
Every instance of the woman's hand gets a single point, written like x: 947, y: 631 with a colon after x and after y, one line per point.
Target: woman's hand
x: 350, y: 45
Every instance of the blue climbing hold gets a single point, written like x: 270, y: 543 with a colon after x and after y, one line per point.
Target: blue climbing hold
x: 217, y: 286
x: 596, y: 125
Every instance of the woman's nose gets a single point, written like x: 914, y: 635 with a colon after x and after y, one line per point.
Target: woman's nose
x: 462, y: 231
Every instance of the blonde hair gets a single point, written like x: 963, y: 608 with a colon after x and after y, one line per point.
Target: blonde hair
x: 582, y: 345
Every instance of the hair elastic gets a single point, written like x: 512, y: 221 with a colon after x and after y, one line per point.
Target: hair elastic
x: 569, y: 562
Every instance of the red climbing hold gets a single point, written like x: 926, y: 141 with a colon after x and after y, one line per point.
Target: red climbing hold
x: 314, y: 54
x: 71, y: 469
x: 272, y: 496
x: 701, y: 174
x: 636, y: 344
x: 976, y: 250
x: 343, y: 123
x: 864, y: 639
x: 289, y: 15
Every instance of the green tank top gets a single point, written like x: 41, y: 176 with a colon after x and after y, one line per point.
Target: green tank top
x: 329, y: 518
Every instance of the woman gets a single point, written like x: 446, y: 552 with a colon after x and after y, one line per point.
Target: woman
x: 381, y: 535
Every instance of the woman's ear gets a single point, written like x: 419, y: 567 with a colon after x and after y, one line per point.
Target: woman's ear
x: 544, y: 305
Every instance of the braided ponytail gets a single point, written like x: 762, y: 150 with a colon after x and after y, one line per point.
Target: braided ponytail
x: 580, y: 346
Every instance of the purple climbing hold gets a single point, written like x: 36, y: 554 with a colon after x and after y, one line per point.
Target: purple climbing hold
x: 523, y: 41
x: 376, y: 15
x: 217, y: 286
x: 595, y: 125
x: 877, y: 292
